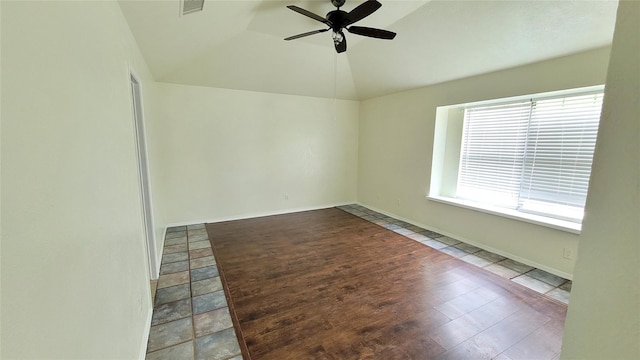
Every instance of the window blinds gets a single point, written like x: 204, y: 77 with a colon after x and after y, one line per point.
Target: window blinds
x: 532, y: 156
x: 494, y: 139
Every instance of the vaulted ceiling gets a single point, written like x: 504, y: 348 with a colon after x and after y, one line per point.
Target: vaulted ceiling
x: 239, y: 44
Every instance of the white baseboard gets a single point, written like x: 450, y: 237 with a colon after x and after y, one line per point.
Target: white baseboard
x: 257, y: 214
x: 159, y: 253
x: 424, y: 226
x: 475, y: 243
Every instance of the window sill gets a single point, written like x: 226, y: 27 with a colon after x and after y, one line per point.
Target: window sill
x: 512, y: 214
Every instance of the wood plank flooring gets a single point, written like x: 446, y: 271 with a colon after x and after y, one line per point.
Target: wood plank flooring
x: 326, y: 284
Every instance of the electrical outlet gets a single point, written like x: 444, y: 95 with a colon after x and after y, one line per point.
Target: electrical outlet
x: 567, y: 254
x: 286, y: 196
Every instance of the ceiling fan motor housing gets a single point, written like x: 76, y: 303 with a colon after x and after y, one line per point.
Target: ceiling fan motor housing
x: 337, y: 18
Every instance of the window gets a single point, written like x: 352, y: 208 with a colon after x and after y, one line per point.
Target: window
x: 530, y: 156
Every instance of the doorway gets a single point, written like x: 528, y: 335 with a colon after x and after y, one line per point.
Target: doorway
x: 143, y: 175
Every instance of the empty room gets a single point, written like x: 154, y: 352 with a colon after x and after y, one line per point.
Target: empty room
x: 327, y: 179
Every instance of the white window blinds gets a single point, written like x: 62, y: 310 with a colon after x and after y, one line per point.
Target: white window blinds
x: 494, y: 139
x: 532, y: 156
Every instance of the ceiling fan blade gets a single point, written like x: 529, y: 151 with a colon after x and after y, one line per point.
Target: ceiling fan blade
x: 342, y: 45
x: 309, y: 14
x: 371, y: 32
x: 362, y: 11
x: 306, y: 34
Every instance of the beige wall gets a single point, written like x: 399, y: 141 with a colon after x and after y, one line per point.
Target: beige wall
x: 230, y: 154
x: 75, y: 282
x: 396, y: 149
x: 603, y: 321
x: 73, y: 262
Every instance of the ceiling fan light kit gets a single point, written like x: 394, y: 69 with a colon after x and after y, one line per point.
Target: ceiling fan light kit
x: 339, y: 20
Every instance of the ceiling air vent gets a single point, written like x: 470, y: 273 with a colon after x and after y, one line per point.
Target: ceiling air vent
x: 191, y: 6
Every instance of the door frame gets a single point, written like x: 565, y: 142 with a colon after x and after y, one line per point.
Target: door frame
x: 143, y: 174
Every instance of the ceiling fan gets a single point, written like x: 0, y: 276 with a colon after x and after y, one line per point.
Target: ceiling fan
x: 338, y: 20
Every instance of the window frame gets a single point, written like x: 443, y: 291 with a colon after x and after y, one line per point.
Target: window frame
x: 447, y: 152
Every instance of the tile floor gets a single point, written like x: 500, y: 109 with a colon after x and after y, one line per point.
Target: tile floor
x: 191, y: 317
x: 535, y: 279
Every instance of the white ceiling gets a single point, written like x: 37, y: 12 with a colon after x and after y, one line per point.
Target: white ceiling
x: 239, y: 44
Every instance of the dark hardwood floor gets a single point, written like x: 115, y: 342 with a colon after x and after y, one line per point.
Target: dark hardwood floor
x: 328, y: 285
